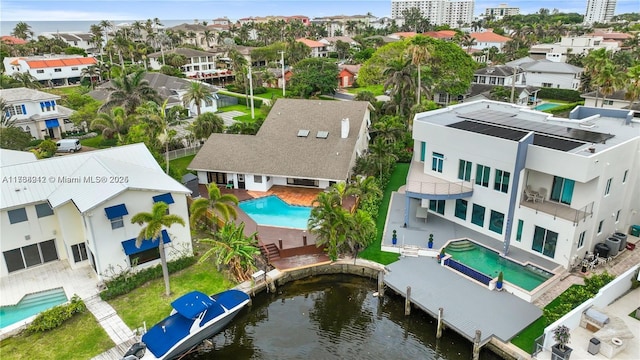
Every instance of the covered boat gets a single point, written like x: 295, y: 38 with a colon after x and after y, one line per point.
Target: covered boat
x: 194, y: 318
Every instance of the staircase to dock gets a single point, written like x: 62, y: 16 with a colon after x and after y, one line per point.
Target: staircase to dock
x: 270, y: 251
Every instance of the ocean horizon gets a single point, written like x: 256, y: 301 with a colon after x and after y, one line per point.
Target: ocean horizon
x: 40, y: 27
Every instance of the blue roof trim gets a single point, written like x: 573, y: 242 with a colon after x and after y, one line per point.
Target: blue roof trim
x: 190, y: 305
x: 165, y: 198
x: 116, y: 211
x: 52, y: 123
x: 130, y: 248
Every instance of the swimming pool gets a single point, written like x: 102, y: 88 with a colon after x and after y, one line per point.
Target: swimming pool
x: 30, y: 305
x: 491, y: 263
x: 546, y: 106
x: 273, y: 211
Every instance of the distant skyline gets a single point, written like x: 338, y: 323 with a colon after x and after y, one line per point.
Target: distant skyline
x: 205, y: 10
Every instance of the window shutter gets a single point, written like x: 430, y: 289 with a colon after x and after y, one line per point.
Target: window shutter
x: 24, y: 109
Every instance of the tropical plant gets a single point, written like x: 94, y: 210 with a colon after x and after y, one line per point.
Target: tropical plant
x: 160, y: 119
x: 401, y: 83
x: 130, y: 91
x: 22, y: 30
x: 91, y: 72
x: 26, y: 80
x: 420, y: 53
x: 329, y: 222
x: 222, y: 205
x: 232, y: 248
x: 608, y: 79
x: 198, y: 93
x: 154, y: 222
x: 205, y: 125
x: 632, y: 92
x: 314, y: 76
x: 114, y: 123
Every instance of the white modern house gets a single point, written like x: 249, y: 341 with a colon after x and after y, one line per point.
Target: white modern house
x: 488, y: 39
x: 37, y: 112
x: 552, y: 187
x: 545, y: 73
x: 80, y: 40
x: 305, y: 143
x: 572, y: 45
x: 50, y: 70
x: 200, y: 64
x: 78, y: 208
x: 318, y: 49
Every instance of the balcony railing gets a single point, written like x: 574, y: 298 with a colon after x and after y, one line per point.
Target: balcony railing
x: 439, y: 188
x: 558, y: 210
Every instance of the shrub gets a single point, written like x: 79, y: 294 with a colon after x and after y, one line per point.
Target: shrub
x: 126, y: 281
x: 35, y: 142
x: 259, y: 90
x: 559, y: 94
x: 54, y: 317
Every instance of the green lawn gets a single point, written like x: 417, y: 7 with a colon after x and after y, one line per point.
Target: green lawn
x: 79, y: 338
x: 99, y: 143
x: 373, y: 252
x: 375, y: 89
x: 238, y: 107
x: 149, y: 304
x: 180, y: 164
x: 61, y: 91
x: 272, y: 93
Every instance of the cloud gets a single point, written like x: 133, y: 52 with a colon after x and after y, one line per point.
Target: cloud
x: 24, y: 13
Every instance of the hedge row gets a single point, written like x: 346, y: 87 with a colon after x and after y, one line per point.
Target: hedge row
x: 126, y: 282
x: 559, y: 94
x: 54, y: 317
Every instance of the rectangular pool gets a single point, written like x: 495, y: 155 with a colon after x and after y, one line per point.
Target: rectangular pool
x: 273, y: 211
x: 490, y: 263
x: 31, y: 304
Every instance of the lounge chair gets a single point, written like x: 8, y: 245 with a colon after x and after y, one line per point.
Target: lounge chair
x: 541, y: 195
x: 229, y: 185
x: 530, y: 195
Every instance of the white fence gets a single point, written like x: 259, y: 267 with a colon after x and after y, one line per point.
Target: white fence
x: 175, y: 154
x: 607, y: 294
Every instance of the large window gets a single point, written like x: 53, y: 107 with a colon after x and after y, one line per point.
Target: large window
x: 437, y: 161
x: 501, y: 182
x: 437, y: 206
x: 461, y: 209
x: 423, y: 150
x: 477, y: 215
x: 496, y: 221
x: 17, y: 215
x: 44, y: 210
x: 464, y: 170
x: 30, y: 255
x: 482, y: 175
x: 145, y: 256
x: 544, y: 241
x: 79, y: 252
x: 562, y: 190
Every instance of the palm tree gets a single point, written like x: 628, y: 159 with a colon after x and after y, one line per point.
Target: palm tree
x: 419, y: 53
x: 205, y: 125
x: 329, y: 222
x: 130, y: 91
x: 107, y: 26
x: 161, y: 120
x: 5, y: 115
x: 22, y: 31
x: 116, y: 122
x: 609, y: 79
x: 91, y: 72
x: 222, y: 205
x: 365, y: 188
x: 633, y: 85
x: 400, y: 80
x: 198, y: 93
x: 380, y: 155
x: 208, y: 36
x: 231, y: 247
x: 155, y: 221
x: 26, y: 80
x: 595, y: 61
x: 361, y: 231
x: 390, y: 128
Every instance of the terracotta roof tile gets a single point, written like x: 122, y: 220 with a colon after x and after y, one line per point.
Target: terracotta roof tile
x: 489, y: 36
x: 39, y: 64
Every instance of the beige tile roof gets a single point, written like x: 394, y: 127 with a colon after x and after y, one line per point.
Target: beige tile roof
x: 278, y: 151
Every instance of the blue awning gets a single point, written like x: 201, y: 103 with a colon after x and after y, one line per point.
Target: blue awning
x: 130, y: 248
x: 51, y: 123
x: 165, y: 198
x: 116, y: 211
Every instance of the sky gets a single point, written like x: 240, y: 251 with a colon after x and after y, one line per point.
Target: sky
x: 54, y: 10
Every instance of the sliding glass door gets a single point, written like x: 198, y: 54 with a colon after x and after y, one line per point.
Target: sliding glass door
x: 562, y: 190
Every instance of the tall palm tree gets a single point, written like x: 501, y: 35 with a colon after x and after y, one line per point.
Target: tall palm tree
x: 91, y: 72
x: 205, y: 125
x: 231, y: 247
x: 380, y: 155
x: 594, y: 62
x: 161, y: 120
x: 329, y: 222
x: 609, y: 79
x: 365, y: 188
x: 130, y: 91
x: 22, y: 30
x: 400, y: 80
x: 419, y: 50
x: 633, y: 85
x: 107, y: 26
x: 154, y: 222
x: 114, y: 123
x: 198, y: 93
x: 361, y: 231
x: 26, y: 80
x: 222, y: 205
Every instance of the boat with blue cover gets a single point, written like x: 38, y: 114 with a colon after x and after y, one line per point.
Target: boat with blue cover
x: 194, y: 318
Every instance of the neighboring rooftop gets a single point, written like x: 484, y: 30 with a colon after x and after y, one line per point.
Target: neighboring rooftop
x: 24, y: 94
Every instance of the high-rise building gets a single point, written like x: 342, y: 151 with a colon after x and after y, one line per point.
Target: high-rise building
x: 439, y: 12
x: 501, y: 11
x: 599, y: 11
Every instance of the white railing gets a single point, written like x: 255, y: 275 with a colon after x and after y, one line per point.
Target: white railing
x: 440, y: 188
x: 176, y: 154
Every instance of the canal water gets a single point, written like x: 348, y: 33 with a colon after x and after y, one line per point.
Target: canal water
x: 334, y: 317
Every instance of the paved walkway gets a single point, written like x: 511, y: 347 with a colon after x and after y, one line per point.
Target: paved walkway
x: 117, y: 330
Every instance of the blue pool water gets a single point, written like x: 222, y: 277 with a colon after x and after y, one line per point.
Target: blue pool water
x: 272, y: 211
x: 546, y: 106
x: 30, y: 305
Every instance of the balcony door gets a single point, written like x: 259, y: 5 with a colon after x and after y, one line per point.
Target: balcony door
x: 562, y: 190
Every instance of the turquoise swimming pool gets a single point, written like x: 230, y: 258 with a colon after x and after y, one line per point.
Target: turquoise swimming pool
x: 273, y: 211
x: 30, y: 305
x: 491, y: 263
x: 546, y: 106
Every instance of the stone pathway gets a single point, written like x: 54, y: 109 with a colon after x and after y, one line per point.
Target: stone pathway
x: 117, y: 330
x: 228, y: 116
x: 621, y: 263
